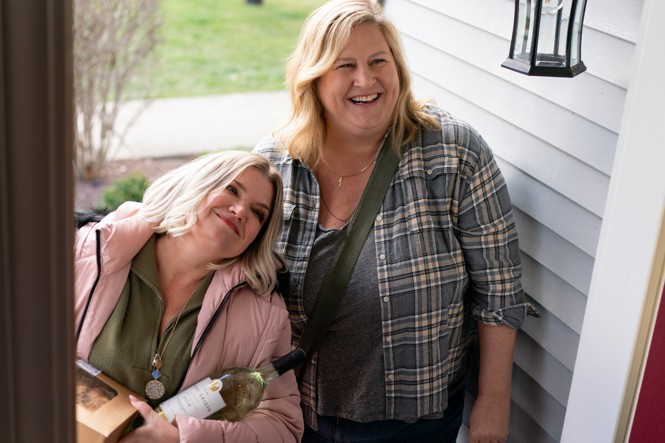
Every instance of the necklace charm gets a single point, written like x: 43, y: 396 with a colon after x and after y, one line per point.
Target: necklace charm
x: 157, y: 362
x: 342, y: 177
x: 154, y: 389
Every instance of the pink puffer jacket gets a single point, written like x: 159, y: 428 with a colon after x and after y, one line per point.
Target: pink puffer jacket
x: 249, y: 330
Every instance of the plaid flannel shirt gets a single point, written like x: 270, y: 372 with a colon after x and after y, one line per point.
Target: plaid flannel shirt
x: 447, y: 254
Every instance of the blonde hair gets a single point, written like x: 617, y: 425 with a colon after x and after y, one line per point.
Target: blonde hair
x: 323, y: 37
x: 172, y: 202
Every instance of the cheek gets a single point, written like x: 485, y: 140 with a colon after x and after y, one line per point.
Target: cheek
x: 392, y: 92
x: 328, y: 90
x: 391, y: 81
x: 254, y: 232
x: 214, y: 199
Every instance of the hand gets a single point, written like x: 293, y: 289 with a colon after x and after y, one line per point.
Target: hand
x: 154, y: 429
x: 489, y: 422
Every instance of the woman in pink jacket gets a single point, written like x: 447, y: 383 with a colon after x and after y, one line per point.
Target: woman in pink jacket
x: 181, y: 286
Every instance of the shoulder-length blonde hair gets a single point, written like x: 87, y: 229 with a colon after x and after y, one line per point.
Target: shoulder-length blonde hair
x: 323, y: 37
x: 172, y: 203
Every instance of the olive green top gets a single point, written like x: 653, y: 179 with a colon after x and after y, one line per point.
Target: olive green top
x: 126, y: 346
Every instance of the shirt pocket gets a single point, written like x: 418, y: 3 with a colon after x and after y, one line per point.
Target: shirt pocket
x: 430, y: 196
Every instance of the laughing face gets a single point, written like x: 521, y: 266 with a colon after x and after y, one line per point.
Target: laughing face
x: 230, y: 219
x: 360, y: 91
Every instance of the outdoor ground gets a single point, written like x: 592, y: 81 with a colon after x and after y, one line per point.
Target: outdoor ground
x: 88, y: 194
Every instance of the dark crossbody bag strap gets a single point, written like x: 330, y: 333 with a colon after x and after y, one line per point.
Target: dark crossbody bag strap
x: 339, y: 273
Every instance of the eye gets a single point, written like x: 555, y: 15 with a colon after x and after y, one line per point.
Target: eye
x: 232, y: 189
x: 378, y: 61
x: 260, y: 215
x: 345, y: 66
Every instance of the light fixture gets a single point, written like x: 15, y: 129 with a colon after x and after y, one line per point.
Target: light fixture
x: 547, y: 38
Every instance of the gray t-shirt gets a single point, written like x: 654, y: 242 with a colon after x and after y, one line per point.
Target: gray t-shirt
x: 350, y: 359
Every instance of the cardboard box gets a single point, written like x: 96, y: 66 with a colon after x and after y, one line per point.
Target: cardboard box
x: 103, y: 410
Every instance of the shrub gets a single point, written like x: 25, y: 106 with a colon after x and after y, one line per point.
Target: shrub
x: 129, y: 188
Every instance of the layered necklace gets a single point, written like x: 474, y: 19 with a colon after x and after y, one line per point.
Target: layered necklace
x: 340, y: 179
x: 155, y: 389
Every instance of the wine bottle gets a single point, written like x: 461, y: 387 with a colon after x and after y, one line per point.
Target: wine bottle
x: 231, y: 394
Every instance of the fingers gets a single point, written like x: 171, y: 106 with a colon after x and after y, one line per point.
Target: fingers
x: 154, y: 429
x: 144, y: 409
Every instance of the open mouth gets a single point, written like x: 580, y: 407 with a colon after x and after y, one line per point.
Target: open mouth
x: 364, y: 99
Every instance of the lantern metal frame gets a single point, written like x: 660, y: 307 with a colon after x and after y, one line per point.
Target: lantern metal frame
x: 553, y: 64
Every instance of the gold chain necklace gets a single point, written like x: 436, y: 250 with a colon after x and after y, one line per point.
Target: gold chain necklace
x: 333, y: 214
x: 155, y: 389
x: 342, y: 177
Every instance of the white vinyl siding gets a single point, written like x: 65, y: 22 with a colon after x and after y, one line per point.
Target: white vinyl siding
x: 555, y: 140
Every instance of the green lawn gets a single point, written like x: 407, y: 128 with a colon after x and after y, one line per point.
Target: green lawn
x: 225, y: 46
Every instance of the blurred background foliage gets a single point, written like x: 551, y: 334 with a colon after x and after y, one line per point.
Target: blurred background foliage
x: 225, y: 46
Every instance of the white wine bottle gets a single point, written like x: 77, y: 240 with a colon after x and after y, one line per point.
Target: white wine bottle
x: 231, y: 394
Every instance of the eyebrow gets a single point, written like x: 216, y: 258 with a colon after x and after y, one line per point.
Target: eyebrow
x: 244, y: 189
x: 375, y: 54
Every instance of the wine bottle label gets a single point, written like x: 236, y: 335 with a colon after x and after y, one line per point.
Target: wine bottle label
x: 199, y: 400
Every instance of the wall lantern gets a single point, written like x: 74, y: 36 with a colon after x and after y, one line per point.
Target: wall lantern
x: 547, y: 38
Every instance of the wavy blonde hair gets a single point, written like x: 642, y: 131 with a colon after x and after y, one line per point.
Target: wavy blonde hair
x: 323, y: 37
x: 172, y: 203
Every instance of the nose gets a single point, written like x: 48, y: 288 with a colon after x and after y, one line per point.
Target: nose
x: 364, y: 76
x: 239, y: 210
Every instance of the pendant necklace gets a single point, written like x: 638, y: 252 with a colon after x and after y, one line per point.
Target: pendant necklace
x: 154, y: 389
x: 342, y: 177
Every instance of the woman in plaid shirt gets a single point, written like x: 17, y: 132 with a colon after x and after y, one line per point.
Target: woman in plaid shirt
x: 440, y: 266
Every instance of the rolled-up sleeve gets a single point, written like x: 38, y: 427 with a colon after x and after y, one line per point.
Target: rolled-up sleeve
x: 489, y: 240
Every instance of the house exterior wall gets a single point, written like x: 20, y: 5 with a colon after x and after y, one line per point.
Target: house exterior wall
x: 555, y: 140
x: 630, y: 261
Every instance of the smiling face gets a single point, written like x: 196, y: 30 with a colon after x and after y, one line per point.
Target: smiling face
x: 230, y: 219
x: 361, y: 89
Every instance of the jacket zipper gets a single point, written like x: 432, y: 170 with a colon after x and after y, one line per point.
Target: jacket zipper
x: 212, y: 320
x: 94, y: 284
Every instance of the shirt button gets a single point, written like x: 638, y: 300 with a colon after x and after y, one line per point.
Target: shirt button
x: 390, y: 377
x: 382, y: 256
x: 385, y: 299
x: 379, y: 218
x: 429, y: 172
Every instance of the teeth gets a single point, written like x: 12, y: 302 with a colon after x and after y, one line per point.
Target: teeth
x: 365, y: 99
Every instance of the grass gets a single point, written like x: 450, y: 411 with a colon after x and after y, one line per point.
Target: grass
x: 226, y: 46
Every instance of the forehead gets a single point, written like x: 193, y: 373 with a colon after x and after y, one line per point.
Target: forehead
x: 256, y: 184
x: 371, y: 32
x: 366, y: 37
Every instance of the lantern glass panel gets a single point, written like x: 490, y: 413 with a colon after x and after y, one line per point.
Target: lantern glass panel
x: 524, y: 28
x: 576, y: 35
x: 552, y: 40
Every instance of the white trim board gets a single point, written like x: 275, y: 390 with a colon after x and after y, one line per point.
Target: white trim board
x: 628, y: 253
